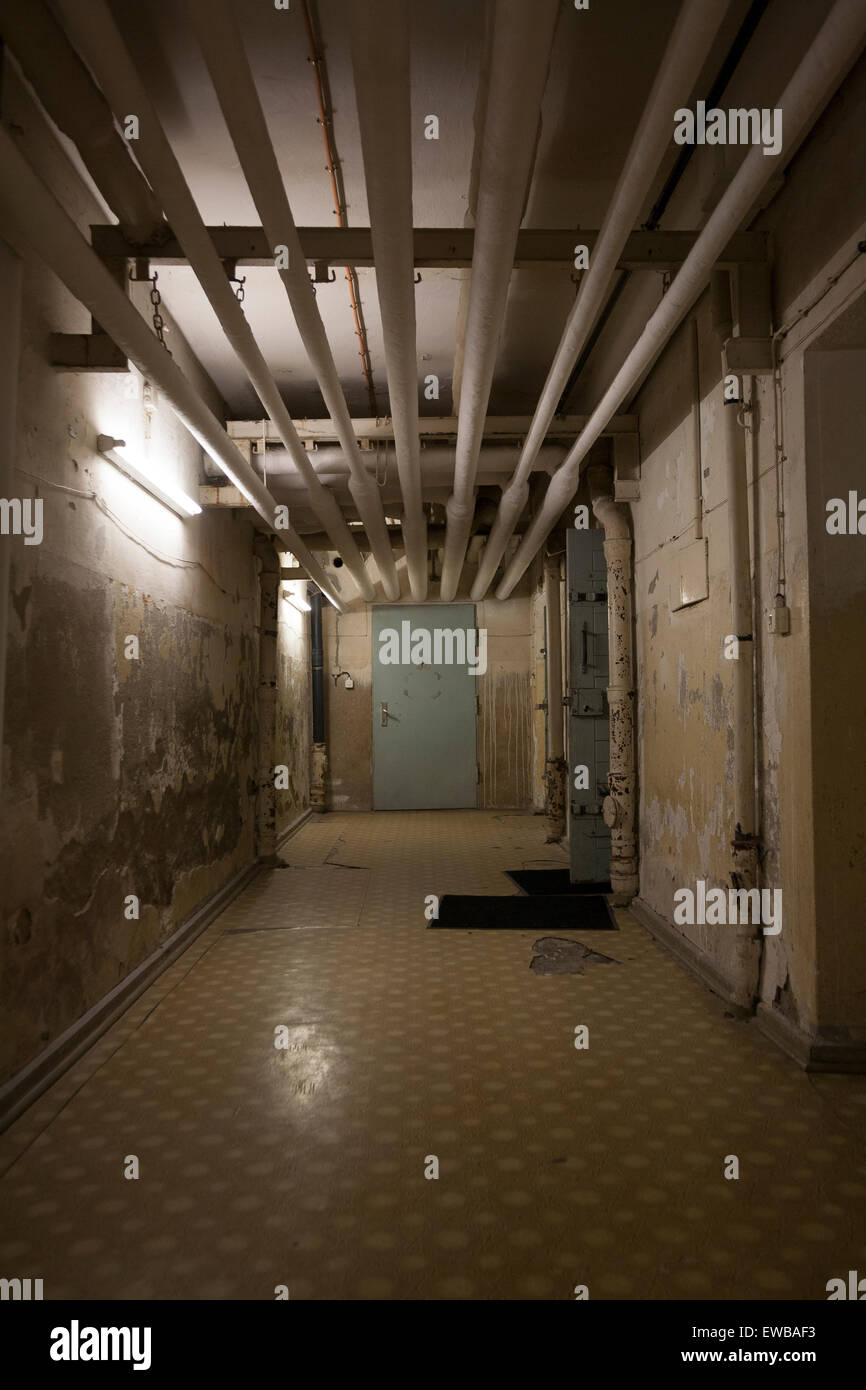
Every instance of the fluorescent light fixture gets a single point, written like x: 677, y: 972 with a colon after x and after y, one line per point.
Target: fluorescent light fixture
x: 296, y: 601
x: 157, y: 485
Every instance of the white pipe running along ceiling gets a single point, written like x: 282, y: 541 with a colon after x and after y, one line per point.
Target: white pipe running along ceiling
x: 95, y: 34
x: 226, y: 59
x: 688, y: 47
x: 380, y: 54
x: 520, y: 54
x: 33, y: 217
x: 831, y: 54
x: 437, y: 463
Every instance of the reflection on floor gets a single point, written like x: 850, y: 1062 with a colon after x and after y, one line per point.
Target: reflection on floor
x: 304, y: 1165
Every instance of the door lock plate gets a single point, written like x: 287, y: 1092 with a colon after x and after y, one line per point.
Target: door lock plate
x: 588, y: 702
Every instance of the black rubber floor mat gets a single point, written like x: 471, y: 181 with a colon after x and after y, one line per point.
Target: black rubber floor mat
x: 467, y: 912
x: 555, y: 881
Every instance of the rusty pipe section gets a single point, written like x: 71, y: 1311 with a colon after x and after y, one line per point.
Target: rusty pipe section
x: 94, y: 31
x: 78, y: 108
x: 317, y: 63
x: 619, y: 807
x: 221, y: 43
x: 380, y: 57
x: 520, y: 53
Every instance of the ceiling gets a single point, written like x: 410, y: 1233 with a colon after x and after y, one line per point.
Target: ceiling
x: 583, y: 140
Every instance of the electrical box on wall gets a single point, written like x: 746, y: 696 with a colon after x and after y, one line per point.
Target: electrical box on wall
x: 779, y: 621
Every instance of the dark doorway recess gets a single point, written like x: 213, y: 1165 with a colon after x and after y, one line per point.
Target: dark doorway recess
x: 474, y: 912
x: 546, y: 881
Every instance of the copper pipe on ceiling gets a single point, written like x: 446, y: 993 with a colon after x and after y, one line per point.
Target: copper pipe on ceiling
x: 318, y: 65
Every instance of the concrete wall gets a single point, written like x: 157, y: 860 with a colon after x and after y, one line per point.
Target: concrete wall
x: 684, y: 701
x: 120, y: 776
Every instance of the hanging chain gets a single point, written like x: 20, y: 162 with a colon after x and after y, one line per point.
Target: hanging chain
x: 379, y: 458
x: 239, y: 292
x: 158, y: 320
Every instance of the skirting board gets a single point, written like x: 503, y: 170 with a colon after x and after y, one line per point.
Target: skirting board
x: 685, y: 951
x: 295, y: 826
x: 812, y: 1052
x: 27, y: 1085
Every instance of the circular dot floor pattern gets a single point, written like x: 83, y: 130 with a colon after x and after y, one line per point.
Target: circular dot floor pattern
x: 305, y: 1165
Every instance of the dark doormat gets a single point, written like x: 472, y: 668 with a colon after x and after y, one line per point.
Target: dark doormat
x: 473, y: 912
x: 537, y: 881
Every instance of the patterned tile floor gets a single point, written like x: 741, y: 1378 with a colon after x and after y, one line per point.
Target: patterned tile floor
x: 304, y: 1165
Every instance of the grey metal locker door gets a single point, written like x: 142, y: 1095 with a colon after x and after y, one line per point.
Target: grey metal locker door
x: 588, y: 723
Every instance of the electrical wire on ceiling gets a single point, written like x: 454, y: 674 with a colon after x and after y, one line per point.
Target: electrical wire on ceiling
x: 326, y: 121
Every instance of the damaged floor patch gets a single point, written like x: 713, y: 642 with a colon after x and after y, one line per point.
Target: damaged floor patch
x: 299, y: 896
x: 558, y: 956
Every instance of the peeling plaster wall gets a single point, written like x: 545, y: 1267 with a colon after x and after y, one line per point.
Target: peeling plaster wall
x: 294, y: 706
x: 684, y: 733
x: 685, y: 742
x: 121, y: 776
x: 506, y: 744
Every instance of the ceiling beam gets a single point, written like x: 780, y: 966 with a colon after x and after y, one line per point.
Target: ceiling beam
x: 444, y: 247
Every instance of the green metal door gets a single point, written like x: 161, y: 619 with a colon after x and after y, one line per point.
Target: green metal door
x: 588, y: 723
x: 424, y: 707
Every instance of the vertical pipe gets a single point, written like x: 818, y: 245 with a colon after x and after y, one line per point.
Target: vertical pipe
x: 554, y: 655
x: 317, y: 658
x: 620, y: 804
x: 10, y: 351
x: 555, y: 772
x: 739, y: 569
x: 697, y: 450
x: 317, y: 664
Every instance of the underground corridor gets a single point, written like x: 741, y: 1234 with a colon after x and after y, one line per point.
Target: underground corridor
x: 432, y: 654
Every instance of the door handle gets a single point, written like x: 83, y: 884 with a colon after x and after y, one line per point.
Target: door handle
x: 384, y: 712
x: 584, y: 649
